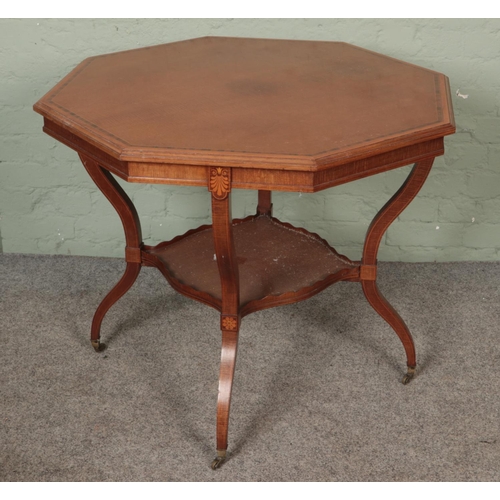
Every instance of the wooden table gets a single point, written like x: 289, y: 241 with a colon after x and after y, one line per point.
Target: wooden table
x: 236, y: 113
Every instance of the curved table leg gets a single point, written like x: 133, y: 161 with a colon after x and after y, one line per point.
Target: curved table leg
x: 220, y: 186
x: 127, y: 280
x: 387, y: 312
x: 133, y: 237
x: 389, y: 212
x: 227, y: 367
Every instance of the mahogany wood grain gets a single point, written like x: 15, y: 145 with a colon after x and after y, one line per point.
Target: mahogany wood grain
x: 251, y: 103
x: 387, y: 214
x: 226, y: 376
x: 118, y: 198
x: 225, y: 252
x: 277, y: 264
x: 392, y: 317
x: 121, y: 288
x: 391, y: 210
x: 222, y: 229
x: 264, y: 205
x: 133, y: 238
x: 239, y: 113
x: 286, y: 179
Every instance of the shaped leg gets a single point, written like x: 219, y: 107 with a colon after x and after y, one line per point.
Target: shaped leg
x: 227, y: 367
x: 265, y: 206
x: 391, y: 210
x: 131, y: 272
x: 220, y: 186
x: 131, y: 225
x: 387, y: 312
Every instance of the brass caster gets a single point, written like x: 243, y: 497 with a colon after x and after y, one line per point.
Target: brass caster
x: 96, y: 344
x: 409, y: 375
x: 219, y: 460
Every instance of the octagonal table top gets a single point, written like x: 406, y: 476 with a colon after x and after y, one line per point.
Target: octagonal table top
x: 272, y: 103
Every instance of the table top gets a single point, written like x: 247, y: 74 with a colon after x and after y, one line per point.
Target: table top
x: 243, y: 100
x: 283, y: 114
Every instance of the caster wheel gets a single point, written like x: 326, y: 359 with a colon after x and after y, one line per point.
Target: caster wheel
x: 217, y: 463
x: 219, y: 460
x: 96, y: 344
x: 407, y: 378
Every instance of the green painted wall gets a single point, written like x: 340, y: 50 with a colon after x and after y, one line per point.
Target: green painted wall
x: 49, y: 205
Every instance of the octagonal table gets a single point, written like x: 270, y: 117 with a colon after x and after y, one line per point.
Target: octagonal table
x: 236, y: 113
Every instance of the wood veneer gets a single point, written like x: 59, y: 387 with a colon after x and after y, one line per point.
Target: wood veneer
x: 274, y: 259
x: 231, y: 113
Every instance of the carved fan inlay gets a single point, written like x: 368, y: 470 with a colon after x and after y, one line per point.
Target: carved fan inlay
x: 220, y: 182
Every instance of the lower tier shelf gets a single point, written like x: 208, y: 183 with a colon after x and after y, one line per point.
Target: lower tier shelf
x: 278, y: 264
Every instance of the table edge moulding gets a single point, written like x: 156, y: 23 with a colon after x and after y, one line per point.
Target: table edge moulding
x: 245, y: 265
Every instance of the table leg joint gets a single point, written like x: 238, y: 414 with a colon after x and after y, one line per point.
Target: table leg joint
x: 229, y: 322
x: 133, y: 254
x: 368, y: 272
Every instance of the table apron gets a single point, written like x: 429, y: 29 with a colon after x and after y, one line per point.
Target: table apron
x: 305, y: 181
